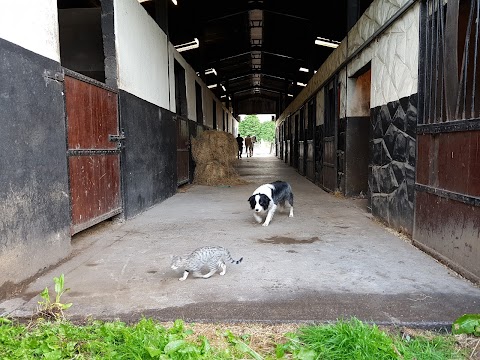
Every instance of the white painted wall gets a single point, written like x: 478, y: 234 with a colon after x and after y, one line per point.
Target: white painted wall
x: 395, y: 63
x: 32, y: 25
x: 393, y: 55
x: 142, y: 54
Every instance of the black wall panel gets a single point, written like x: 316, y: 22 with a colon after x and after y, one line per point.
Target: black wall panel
x: 150, y: 154
x: 34, y: 200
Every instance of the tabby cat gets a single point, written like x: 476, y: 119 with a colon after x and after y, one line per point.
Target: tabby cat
x: 211, y: 257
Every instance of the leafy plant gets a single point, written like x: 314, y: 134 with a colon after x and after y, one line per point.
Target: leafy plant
x: 467, y: 324
x: 49, y: 309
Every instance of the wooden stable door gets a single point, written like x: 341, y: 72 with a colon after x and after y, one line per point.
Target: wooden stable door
x: 93, y: 152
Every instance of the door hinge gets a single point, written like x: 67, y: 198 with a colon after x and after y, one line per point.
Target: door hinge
x: 54, y: 75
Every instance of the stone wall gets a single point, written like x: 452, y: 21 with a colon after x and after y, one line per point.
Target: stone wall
x: 391, y: 178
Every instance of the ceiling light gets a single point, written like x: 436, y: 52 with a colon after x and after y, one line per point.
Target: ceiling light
x: 290, y: 95
x: 188, y: 46
x: 174, y: 2
x: 301, y: 84
x: 326, y: 42
x: 211, y: 71
x: 213, y: 86
x: 223, y: 96
x: 223, y: 87
x: 303, y: 69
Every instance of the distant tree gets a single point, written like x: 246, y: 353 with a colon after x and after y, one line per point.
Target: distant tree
x: 250, y: 126
x: 267, y: 131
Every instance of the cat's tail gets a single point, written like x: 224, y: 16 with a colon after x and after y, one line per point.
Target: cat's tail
x: 238, y: 261
x: 234, y: 261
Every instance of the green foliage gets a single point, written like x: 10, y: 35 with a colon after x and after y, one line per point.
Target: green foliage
x: 467, y: 324
x: 148, y: 339
x: 103, y: 340
x: 267, y: 131
x: 249, y: 126
x: 241, y: 346
x: 342, y: 340
x: 353, y: 339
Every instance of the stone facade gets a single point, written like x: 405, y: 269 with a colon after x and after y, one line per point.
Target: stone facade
x: 391, y: 178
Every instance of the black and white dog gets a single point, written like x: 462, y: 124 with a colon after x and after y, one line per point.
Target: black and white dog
x: 267, y: 197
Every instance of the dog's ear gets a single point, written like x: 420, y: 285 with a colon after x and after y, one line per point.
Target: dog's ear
x: 251, y: 201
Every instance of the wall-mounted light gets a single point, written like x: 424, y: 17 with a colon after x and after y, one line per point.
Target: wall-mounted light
x: 213, y: 86
x: 303, y: 69
x: 301, y: 84
x: 188, y: 46
x: 326, y: 42
x: 211, y: 71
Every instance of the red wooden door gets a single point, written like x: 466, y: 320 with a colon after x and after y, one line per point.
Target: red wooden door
x: 93, y: 152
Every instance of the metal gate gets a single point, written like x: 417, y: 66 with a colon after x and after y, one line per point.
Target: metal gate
x: 447, y: 190
x: 93, y: 151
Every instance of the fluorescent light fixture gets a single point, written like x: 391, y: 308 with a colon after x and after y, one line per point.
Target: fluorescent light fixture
x: 188, y: 46
x: 301, y: 84
x: 223, y: 96
x: 174, y: 2
x: 211, y: 71
x: 223, y: 87
x: 326, y: 42
x: 303, y: 69
x: 213, y: 86
x: 290, y: 95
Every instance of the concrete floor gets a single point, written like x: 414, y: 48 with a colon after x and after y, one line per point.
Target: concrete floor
x: 331, y: 261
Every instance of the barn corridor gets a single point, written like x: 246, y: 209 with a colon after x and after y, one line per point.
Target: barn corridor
x: 331, y: 260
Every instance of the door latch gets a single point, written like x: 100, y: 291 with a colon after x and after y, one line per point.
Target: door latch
x: 117, y: 138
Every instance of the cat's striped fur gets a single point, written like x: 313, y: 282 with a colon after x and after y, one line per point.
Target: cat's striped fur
x: 211, y: 257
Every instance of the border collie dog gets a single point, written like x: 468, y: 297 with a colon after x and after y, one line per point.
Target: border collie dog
x: 267, y: 197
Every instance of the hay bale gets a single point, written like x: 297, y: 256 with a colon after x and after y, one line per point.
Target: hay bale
x: 213, y: 145
x: 215, y: 154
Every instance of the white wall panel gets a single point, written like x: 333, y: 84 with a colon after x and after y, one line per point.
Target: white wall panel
x: 142, y: 54
x: 32, y: 25
x: 395, y: 62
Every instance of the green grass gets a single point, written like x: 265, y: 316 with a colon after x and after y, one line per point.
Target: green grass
x: 149, y: 339
x: 355, y: 340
